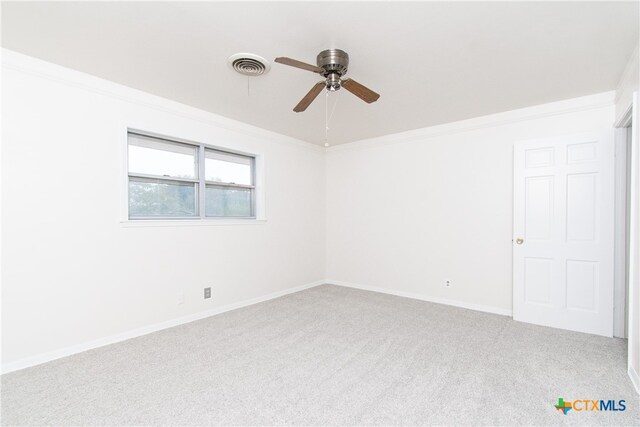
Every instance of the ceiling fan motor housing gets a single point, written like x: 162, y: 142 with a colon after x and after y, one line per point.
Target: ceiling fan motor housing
x: 335, y: 63
x: 333, y: 60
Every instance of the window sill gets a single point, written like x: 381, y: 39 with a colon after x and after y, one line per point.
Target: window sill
x: 133, y: 223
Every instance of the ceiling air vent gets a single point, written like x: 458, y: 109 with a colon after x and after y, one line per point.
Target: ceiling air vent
x: 249, y: 64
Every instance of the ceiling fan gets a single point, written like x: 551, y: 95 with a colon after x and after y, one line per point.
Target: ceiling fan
x: 332, y: 65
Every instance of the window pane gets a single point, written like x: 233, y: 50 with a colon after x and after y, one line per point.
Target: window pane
x: 161, y: 199
x: 220, y: 201
x: 151, y: 156
x: 228, y: 168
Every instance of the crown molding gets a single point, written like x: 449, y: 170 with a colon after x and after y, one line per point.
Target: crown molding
x: 629, y: 73
x: 53, y: 72
x: 573, y: 105
x: 36, y: 67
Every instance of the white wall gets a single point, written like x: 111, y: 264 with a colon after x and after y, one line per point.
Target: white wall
x: 73, y: 273
x: 408, y: 211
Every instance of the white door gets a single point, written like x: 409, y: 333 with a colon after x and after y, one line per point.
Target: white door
x: 563, y: 232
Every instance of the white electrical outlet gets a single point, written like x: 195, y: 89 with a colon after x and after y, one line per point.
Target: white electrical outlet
x: 180, y: 295
x: 447, y: 283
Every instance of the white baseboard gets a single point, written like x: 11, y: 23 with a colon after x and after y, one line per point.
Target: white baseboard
x: 470, y: 306
x: 100, y: 342
x: 635, y: 379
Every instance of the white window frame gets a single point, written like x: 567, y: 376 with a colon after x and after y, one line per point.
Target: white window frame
x: 202, y: 157
x: 257, y: 195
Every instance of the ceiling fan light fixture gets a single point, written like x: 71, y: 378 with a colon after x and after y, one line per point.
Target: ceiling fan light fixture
x: 333, y: 82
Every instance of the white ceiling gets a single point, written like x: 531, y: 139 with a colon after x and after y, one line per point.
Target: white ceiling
x: 432, y: 62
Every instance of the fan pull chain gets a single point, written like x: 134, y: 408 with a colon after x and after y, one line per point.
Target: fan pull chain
x: 248, y: 79
x: 333, y: 110
x: 328, y: 117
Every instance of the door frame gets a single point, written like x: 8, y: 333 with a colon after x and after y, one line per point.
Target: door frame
x: 630, y: 119
x: 621, y: 233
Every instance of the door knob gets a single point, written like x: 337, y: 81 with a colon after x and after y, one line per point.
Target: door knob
x: 519, y: 240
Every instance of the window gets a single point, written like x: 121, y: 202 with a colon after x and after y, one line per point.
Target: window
x: 178, y: 180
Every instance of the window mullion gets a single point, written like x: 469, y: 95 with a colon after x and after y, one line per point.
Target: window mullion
x: 161, y: 178
x: 227, y: 184
x: 201, y: 182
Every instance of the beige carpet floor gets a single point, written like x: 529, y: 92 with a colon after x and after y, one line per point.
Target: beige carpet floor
x: 331, y: 356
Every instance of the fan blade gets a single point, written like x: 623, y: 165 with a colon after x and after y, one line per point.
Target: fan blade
x: 309, y: 97
x: 362, y: 92
x: 299, y: 64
